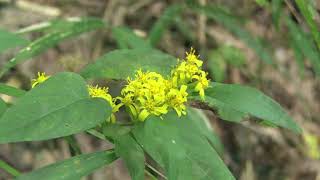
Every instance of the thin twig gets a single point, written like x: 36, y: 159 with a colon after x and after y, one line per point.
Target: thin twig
x: 293, y: 11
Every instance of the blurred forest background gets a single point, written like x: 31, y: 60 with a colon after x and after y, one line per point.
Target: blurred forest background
x: 271, y: 45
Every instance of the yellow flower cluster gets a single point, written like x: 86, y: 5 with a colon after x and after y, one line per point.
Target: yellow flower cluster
x: 149, y: 93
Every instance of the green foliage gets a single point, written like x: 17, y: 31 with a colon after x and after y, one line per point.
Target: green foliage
x: 127, y: 39
x: 182, y: 154
x: 164, y: 22
x: 250, y: 101
x: 219, y: 58
x: 129, y: 61
x: 11, y: 91
x: 3, y: 107
x: 10, y: 40
x: 40, y: 45
x: 73, y: 168
x: 303, y: 44
x: 127, y: 148
x: 308, y: 11
x: 8, y: 168
x: 59, y: 107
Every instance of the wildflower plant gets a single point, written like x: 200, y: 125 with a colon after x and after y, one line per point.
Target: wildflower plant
x: 162, y: 96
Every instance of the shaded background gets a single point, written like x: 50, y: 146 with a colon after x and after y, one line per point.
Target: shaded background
x: 251, y: 151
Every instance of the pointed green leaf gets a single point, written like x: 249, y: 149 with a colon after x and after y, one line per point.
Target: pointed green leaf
x: 58, y: 107
x: 73, y: 168
x: 10, y: 40
x: 128, y: 149
x: 42, y: 44
x: 250, y: 101
x: 120, y: 64
x: 127, y: 39
x: 178, y: 147
x: 164, y: 22
x: 11, y: 91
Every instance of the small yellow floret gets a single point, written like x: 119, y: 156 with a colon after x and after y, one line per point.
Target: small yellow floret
x: 40, y: 79
x: 177, y: 98
x: 102, y: 92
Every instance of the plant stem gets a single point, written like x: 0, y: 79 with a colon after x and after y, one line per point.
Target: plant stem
x: 11, y: 170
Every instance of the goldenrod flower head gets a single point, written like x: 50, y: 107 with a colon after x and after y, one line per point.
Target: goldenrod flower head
x: 189, y: 71
x: 40, y: 79
x: 102, y: 92
x: 177, y: 98
x: 145, y: 95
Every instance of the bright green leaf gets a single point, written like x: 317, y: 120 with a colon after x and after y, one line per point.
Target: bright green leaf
x: 73, y: 168
x: 10, y: 40
x: 178, y: 147
x: 248, y: 100
x: 127, y: 39
x: 166, y: 19
x: 42, y: 44
x: 120, y: 64
x: 11, y: 91
x: 60, y: 106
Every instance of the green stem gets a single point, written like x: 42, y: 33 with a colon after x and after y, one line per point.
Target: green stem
x: 5, y: 166
x: 74, y: 146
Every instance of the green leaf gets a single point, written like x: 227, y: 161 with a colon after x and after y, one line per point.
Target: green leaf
x: 202, y: 125
x: 61, y: 25
x: 248, y: 100
x: 42, y: 44
x: 233, y: 24
x: 3, y: 107
x: 232, y: 55
x: 166, y: 19
x: 11, y: 91
x: 127, y: 39
x: 180, y: 149
x: 308, y: 11
x: 217, y: 66
x: 276, y: 11
x: 120, y: 64
x: 58, y: 107
x: 127, y: 148
x: 304, y: 44
x: 73, y: 168
x: 10, y: 40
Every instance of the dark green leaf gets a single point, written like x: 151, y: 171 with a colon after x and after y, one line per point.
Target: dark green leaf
x: 303, y: 42
x: 127, y: 39
x: 276, y: 11
x: 3, y: 107
x: 308, y: 11
x: 120, y: 64
x: 166, y: 19
x: 235, y: 26
x: 248, y: 100
x: 73, y: 168
x: 202, y: 125
x: 127, y: 148
x: 176, y: 144
x: 10, y: 40
x: 40, y: 45
x: 11, y: 91
x: 58, y: 107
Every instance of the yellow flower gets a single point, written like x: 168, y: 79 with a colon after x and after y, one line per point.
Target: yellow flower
x: 177, y: 98
x: 102, y: 92
x: 40, y: 79
x: 202, y: 83
x: 192, y: 58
